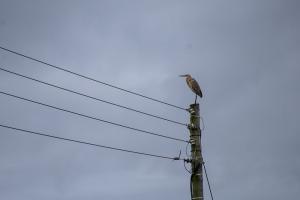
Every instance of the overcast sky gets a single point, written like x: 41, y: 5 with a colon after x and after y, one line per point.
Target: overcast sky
x: 244, y: 54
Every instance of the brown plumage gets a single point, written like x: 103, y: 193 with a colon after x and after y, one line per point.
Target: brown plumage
x: 193, y: 85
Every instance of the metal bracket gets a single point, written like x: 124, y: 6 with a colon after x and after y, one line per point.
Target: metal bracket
x: 190, y: 160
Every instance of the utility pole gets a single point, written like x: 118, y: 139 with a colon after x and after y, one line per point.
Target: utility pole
x: 196, y: 154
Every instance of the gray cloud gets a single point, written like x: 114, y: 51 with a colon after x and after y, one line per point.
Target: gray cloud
x: 243, y: 53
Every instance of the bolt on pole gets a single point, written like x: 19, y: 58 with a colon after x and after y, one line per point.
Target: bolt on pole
x: 196, y: 154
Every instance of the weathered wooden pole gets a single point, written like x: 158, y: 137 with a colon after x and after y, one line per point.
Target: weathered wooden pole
x: 196, y: 153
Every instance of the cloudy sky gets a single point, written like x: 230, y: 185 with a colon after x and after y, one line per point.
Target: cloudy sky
x: 244, y: 54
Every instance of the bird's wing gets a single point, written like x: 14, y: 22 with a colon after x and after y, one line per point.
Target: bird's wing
x: 196, y: 87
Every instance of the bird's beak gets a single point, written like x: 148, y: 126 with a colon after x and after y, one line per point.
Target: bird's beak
x: 182, y: 75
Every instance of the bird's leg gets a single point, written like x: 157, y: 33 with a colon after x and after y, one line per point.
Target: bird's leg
x: 196, y: 99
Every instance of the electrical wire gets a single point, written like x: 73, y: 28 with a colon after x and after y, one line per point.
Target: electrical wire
x: 210, y: 191
x: 203, y: 125
x: 90, y: 117
x: 89, y: 78
x: 186, y: 148
x: 87, y: 143
x: 186, y: 168
x: 90, y: 97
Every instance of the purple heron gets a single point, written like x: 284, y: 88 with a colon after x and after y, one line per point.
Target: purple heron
x: 193, y: 85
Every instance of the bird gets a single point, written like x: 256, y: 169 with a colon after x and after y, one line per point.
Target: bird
x: 193, y: 85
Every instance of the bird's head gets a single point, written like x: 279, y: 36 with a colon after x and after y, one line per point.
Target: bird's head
x: 185, y: 75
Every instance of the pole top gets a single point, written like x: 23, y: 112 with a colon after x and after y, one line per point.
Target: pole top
x: 194, y: 105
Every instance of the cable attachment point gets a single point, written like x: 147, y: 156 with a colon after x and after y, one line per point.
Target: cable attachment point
x: 200, y: 160
x: 191, y: 110
x: 178, y: 158
x: 192, y: 141
x: 192, y: 127
x: 187, y: 160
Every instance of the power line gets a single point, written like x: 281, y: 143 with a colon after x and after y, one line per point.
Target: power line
x: 91, y: 97
x: 89, y: 78
x: 87, y: 143
x: 90, y: 117
x: 210, y: 191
